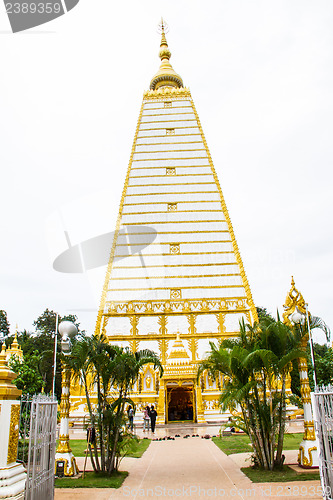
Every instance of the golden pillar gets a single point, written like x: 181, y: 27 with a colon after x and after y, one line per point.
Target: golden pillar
x: 161, y: 403
x: 307, y: 454
x: 64, y: 452
x: 12, y: 474
x: 200, y: 407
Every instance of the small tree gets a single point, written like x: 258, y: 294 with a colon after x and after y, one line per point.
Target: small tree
x: 29, y: 379
x: 4, y: 325
x: 110, y: 371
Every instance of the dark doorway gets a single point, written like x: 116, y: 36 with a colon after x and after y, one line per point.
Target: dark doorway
x: 180, y: 404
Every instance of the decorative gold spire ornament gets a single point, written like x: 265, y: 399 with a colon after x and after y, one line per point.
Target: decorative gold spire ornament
x: 166, y: 75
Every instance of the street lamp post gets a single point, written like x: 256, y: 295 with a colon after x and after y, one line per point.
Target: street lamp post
x: 64, y: 452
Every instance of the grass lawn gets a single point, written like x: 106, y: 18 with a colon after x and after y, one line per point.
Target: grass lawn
x: 79, y: 445
x: 278, y: 476
x: 92, y: 480
x: 240, y: 443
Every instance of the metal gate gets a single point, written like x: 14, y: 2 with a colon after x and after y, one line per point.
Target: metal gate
x: 42, y: 446
x: 322, y: 404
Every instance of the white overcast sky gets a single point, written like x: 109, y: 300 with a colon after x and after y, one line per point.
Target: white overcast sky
x: 261, y: 76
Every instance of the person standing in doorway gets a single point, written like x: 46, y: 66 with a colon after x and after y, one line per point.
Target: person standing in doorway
x: 146, y: 418
x: 153, y: 415
x: 130, y: 413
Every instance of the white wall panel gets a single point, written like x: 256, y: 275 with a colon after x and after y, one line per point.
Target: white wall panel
x: 177, y: 324
x: 168, y: 146
x: 188, y: 130
x: 198, y: 196
x: 206, y: 323
x: 169, y: 139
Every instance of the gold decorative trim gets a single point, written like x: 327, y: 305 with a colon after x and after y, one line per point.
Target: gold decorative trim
x: 176, y: 158
x: 168, y: 150
x: 294, y: 300
x: 13, y: 433
x: 177, y: 265
x: 175, y: 293
x: 176, y: 277
x: 164, y: 202
x: 302, y: 459
x: 165, y: 93
x: 184, y: 306
x: 69, y: 471
x: 183, y: 192
x: 210, y: 221
x: 203, y: 287
x: 172, y: 210
x: 165, y: 143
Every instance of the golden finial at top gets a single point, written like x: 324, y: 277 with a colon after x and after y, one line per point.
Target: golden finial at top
x: 166, y: 75
x: 294, y: 302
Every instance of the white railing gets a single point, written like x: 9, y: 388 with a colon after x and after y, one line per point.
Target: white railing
x: 322, y: 405
x: 42, y: 446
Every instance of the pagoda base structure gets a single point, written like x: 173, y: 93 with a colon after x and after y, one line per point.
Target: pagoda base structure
x: 12, y: 474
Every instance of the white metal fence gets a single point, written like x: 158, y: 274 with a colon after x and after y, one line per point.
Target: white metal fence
x: 322, y: 404
x: 42, y: 445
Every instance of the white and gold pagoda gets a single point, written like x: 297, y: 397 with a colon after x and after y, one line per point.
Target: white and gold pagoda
x: 188, y: 286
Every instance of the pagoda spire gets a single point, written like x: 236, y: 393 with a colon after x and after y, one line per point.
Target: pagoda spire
x: 166, y: 75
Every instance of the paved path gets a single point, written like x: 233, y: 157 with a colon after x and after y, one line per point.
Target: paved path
x: 190, y: 468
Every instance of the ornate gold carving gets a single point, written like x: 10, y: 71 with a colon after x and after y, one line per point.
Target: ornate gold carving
x: 134, y: 320
x: 168, y: 104
x: 302, y: 459
x: 64, y: 406
x: 294, y: 300
x: 184, y: 306
x: 170, y: 131
x: 63, y: 446
x: 166, y: 92
x: 309, y: 431
x: 191, y: 321
x: 175, y: 293
x: 174, y: 248
x: 170, y: 171
x: 13, y: 433
x: 172, y: 207
x: 220, y: 322
x: 68, y: 470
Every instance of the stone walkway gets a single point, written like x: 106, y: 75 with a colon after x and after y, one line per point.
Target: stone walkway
x: 190, y: 468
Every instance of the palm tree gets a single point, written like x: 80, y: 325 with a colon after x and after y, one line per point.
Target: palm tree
x: 255, y: 366
x: 112, y: 371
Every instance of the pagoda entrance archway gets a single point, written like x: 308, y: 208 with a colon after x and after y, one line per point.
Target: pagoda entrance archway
x: 180, y: 403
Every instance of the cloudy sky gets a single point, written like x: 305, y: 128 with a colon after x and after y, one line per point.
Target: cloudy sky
x: 261, y: 76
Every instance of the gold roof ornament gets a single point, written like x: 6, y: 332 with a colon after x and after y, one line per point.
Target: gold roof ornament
x: 294, y: 303
x: 166, y: 75
x: 178, y: 353
x: 14, y: 349
x: 7, y: 389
